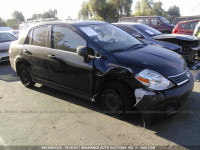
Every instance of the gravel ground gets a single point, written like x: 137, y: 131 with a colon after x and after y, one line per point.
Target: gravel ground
x: 44, y: 116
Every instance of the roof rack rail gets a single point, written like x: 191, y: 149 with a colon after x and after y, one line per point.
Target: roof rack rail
x: 40, y: 20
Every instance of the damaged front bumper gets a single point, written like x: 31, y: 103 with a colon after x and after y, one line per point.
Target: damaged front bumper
x: 165, y: 103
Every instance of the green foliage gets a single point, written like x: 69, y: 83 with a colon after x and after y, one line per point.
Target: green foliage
x: 143, y: 8
x: 107, y: 10
x: 172, y: 13
x: 13, y: 23
x: 47, y: 14
x: 18, y: 16
x: 2, y: 22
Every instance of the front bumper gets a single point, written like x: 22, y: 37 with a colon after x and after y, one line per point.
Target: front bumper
x: 167, y: 102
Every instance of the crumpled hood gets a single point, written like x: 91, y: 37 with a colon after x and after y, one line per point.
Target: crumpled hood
x: 152, y: 57
x: 5, y: 45
x: 175, y: 36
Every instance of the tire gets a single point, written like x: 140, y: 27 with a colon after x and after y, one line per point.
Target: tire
x: 117, y: 101
x: 25, y: 76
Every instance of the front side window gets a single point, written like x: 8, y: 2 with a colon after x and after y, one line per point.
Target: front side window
x: 154, y: 21
x: 109, y: 37
x: 6, y: 37
x: 65, y: 39
x: 40, y: 36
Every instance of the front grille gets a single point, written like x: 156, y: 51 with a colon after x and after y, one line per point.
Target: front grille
x: 181, y: 78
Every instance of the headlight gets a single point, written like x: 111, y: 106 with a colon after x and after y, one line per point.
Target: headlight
x: 153, y: 80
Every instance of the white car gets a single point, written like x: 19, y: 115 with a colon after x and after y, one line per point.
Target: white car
x: 5, y: 40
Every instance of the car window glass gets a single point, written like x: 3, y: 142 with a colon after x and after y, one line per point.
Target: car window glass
x: 128, y: 29
x: 40, y: 36
x: 65, y: 39
x: 127, y: 20
x: 6, y: 37
x: 183, y: 25
x: 142, y: 20
x: 29, y: 38
x: 154, y: 21
x: 192, y: 25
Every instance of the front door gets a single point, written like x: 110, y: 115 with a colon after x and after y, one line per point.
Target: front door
x: 66, y: 67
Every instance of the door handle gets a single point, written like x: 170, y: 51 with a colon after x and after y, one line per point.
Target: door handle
x: 53, y: 57
x: 27, y: 52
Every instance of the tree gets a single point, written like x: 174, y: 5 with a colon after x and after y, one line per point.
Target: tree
x: 143, y: 8
x: 13, y: 23
x: 18, y: 16
x: 172, y: 13
x: 47, y: 14
x: 108, y: 10
x: 2, y: 22
x: 157, y: 9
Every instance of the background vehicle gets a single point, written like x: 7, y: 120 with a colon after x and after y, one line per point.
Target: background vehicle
x: 185, y: 18
x: 184, y: 45
x: 5, y: 29
x: 5, y: 40
x: 157, y: 22
x: 100, y: 62
x: 185, y: 27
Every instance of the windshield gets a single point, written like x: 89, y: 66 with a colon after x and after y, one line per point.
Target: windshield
x: 164, y: 20
x: 5, y: 37
x: 147, y: 30
x: 109, y: 37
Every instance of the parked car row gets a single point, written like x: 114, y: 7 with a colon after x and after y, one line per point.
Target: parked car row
x: 187, y: 46
x: 100, y: 62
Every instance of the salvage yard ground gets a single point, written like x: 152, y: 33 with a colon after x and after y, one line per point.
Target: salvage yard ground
x: 44, y: 116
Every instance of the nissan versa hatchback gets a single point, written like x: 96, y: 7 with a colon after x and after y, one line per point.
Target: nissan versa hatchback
x: 100, y: 62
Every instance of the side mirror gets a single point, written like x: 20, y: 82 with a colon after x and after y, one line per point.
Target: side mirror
x: 137, y: 35
x: 85, y: 52
x: 158, y: 23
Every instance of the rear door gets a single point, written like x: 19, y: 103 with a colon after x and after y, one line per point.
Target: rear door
x: 35, y: 51
x: 66, y: 67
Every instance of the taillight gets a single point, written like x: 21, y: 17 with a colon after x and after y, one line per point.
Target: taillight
x: 175, y: 31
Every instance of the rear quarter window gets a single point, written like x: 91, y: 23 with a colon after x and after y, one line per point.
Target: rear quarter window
x: 40, y: 36
x: 184, y: 25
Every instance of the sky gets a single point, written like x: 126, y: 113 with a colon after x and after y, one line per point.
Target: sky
x: 71, y: 8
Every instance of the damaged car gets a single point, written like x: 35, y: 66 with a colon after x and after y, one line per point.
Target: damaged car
x: 185, y: 45
x: 100, y: 62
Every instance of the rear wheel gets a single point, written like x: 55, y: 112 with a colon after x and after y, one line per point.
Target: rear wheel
x: 116, y: 100
x: 25, y: 76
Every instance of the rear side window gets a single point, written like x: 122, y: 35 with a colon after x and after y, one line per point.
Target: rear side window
x: 65, y: 39
x: 184, y: 25
x: 142, y: 20
x: 127, y: 20
x: 40, y: 36
x: 192, y: 25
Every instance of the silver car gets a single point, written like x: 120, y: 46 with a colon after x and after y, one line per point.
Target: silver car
x: 5, y: 40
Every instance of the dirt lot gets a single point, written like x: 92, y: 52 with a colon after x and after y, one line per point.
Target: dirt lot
x: 43, y: 116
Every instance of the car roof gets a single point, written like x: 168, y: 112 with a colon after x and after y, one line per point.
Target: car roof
x: 189, y: 21
x: 74, y: 23
x: 139, y: 17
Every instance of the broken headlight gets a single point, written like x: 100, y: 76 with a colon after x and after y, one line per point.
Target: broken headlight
x: 153, y: 80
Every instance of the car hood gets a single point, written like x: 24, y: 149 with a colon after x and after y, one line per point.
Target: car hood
x: 175, y: 36
x: 164, y: 44
x: 153, y: 57
x: 5, y: 45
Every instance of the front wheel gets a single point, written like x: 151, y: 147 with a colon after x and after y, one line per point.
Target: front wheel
x: 116, y: 100
x: 25, y: 76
